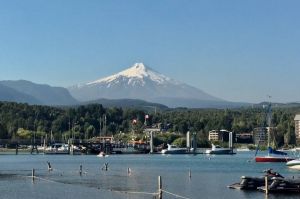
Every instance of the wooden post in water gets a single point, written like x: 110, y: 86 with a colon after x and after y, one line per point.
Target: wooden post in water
x: 80, y: 170
x: 128, y: 171
x: 266, y: 185
x: 33, y: 175
x: 159, y: 187
x: 17, y: 149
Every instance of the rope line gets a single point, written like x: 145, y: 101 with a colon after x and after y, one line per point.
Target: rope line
x: 135, y: 192
x: 125, y: 192
x: 176, y: 195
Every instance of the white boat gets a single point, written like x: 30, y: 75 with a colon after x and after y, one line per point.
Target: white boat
x: 173, y: 149
x: 294, y: 164
x: 57, y: 148
x: 242, y: 149
x: 102, y: 155
x: 216, y: 149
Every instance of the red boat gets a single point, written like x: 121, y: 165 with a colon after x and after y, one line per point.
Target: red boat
x: 274, y: 156
x: 273, y: 159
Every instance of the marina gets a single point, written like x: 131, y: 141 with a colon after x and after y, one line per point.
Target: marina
x: 132, y: 176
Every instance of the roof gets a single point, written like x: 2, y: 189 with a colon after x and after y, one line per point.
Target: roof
x: 297, y: 117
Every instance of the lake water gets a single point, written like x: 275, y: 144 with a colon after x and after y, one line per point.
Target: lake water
x: 210, y: 176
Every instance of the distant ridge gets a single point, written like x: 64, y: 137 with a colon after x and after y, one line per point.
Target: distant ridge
x: 38, y: 93
x: 11, y: 95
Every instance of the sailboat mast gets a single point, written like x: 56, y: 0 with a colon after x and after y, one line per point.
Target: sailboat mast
x: 269, y: 121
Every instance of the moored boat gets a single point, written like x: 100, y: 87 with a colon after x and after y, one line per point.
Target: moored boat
x: 173, y: 149
x: 216, y: 149
x: 252, y: 183
x: 57, y: 148
x: 102, y: 155
x: 274, y: 156
x: 294, y: 164
x: 280, y: 185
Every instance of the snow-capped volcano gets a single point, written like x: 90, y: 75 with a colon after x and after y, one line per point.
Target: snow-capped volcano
x: 141, y: 82
x: 135, y: 74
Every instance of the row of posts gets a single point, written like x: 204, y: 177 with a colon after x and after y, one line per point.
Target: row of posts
x: 159, y: 192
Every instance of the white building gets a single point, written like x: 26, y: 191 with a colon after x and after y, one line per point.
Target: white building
x: 297, y: 126
x: 213, y: 135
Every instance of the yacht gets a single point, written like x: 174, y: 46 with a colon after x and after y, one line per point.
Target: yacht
x: 216, y: 149
x: 173, y: 149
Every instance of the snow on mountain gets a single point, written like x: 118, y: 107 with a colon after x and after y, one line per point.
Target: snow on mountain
x: 140, y: 82
x: 135, y: 73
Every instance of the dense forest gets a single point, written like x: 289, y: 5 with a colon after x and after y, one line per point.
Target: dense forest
x: 21, y: 121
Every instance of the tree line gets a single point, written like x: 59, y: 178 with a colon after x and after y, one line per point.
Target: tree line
x: 82, y: 122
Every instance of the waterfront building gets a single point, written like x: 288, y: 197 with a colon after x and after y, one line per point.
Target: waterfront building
x: 244, y: 137
x: 218, y: 135
x: 213, y: 135
x: 297, y: 126
x: 260, y: 135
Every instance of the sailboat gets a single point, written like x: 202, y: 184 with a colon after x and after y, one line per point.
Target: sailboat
x: 273, y: 155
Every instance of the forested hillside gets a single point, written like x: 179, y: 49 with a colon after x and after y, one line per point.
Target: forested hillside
x: 21, y: 120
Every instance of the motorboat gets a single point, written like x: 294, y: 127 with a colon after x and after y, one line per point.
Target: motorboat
x: 243, y: 149
x: 216, y: 149
x: 102, y: 155
x: 57, y: 148
x: 274, y: 156
x: 252, y: 183
x: 173, y: 149
x: 282, y: 185
x: 294, y: 164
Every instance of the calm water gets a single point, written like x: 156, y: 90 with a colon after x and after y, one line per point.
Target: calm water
x: 209, y: 179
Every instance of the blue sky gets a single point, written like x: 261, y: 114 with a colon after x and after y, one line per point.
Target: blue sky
x: 235, y: 50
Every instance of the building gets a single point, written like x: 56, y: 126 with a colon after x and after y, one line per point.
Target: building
x: 260, y: 135
x: 218, y: 135
x: 244, y: 137
x: 297, y: 126
x: 213, y: 135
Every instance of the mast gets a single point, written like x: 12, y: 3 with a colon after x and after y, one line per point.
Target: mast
x: 269, y: 121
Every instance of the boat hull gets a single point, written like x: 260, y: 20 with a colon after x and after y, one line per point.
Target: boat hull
x: 219, y: 152
x: 272, y: 159
x: 293, y: 164
x: 174, y: 151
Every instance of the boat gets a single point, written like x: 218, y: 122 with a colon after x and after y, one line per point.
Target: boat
x: 173, y: 149
x: 274, y: 156
x: 102, y: 155
x: 216, y: 149
x: 252, y: 183
x: 133, y: 147
x: 57, y: 148
x: 243, y: 149
x: 281, y: 185
x: 294, y: 164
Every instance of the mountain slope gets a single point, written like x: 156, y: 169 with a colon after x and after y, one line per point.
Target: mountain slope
x: 12, y: 95
x: 141, y: 82
x: 45, y: 94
